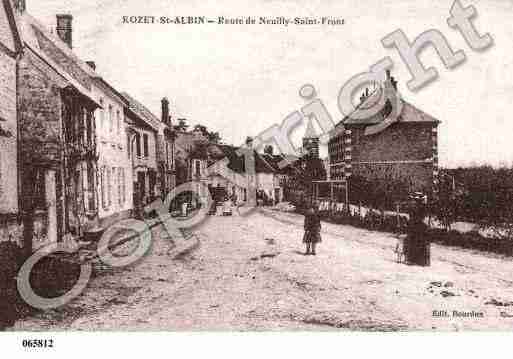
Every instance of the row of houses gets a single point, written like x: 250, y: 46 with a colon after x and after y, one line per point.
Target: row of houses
x: 77, y: 154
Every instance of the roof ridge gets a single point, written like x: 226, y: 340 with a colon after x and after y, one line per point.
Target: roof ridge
x: 25, y: 25
x: 61, y: 45
x: 137, y: 106
x: 13, y: 19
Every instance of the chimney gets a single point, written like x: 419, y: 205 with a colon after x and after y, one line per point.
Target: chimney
x: 390, y: 81
x: 91, y: 64
x: 65, y: 28
x: 394, y: 83
x: 165, y: 110
x: 20, y: 5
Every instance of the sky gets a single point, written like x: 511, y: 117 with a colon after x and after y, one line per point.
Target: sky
x: 241, y: 79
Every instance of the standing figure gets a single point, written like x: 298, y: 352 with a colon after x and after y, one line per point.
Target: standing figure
x: 416, y: 247
x: 312, y: 234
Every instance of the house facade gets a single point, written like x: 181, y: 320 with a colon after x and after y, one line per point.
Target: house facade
x: 10, y: 51
x: 225, y: 173
x: 115, y: 185
x: 142, y: 133
x: 228, y: 173
x: 396, y: 145
x: 58, y: 153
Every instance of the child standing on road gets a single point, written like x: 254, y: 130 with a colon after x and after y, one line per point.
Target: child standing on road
x: 312, y: 234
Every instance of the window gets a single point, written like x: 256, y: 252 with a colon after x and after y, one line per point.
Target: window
x: 111, y: 119
x: 197, y: 166
x: 138, y: 144
x: 152, y: 182
x: 128, y: 145
x: 121, y: 186
x: 89, y: 129
x: 103, y: 177
x: 118, y: 119
x: 114, y: 187
x: 168, y: 163
x: 102, y: 115
x: 90, y: 187
x: 124, y: 184
x: 109, y: 187
x: 39, y: 189
x: 145, y: 144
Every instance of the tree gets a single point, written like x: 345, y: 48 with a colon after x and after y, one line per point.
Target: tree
x: 268, y: 149
x: 200, y: 128
x: 301, y: 175
x: 214, y: 137
x: 211, y: 136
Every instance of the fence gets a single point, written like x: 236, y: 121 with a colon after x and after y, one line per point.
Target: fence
x: 360, y: 216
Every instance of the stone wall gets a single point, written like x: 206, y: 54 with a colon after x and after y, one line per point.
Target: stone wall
x: 399, y: 142
x: 8, y: 135
x: 403, y: 152
x: 40, y: 110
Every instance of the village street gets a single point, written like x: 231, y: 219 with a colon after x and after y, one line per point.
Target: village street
x: 249, y: 273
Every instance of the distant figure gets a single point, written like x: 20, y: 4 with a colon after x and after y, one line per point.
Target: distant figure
x: 416, y: 247
x: 312, y: 230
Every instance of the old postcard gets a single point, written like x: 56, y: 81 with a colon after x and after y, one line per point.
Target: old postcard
x: 232, y: 166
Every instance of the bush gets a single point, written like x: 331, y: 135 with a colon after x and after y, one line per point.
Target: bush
x: 10, y: 256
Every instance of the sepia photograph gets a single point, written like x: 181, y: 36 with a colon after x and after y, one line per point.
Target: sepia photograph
x: 255, y: 166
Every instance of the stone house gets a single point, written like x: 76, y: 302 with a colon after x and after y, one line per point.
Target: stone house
x: 398, y: 144
x: 270, y: 177
x: 189, y: 152
x: 114, y: 166
x: 227, y: 172
x: 142, y: 133
x: 58, y: 153
x: 10, y: 51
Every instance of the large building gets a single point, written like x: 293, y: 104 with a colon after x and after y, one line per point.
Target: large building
x: 398, y: 144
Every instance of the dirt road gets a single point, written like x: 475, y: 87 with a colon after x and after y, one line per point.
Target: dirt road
x: 249, y: 273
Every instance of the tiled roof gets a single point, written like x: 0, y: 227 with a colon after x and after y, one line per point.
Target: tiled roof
x: 409, y: 113
x: 105, y: 85
x: 140, y: 110
x: 55, y: 53
x: 264, y: 163
x: 235, y: 162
